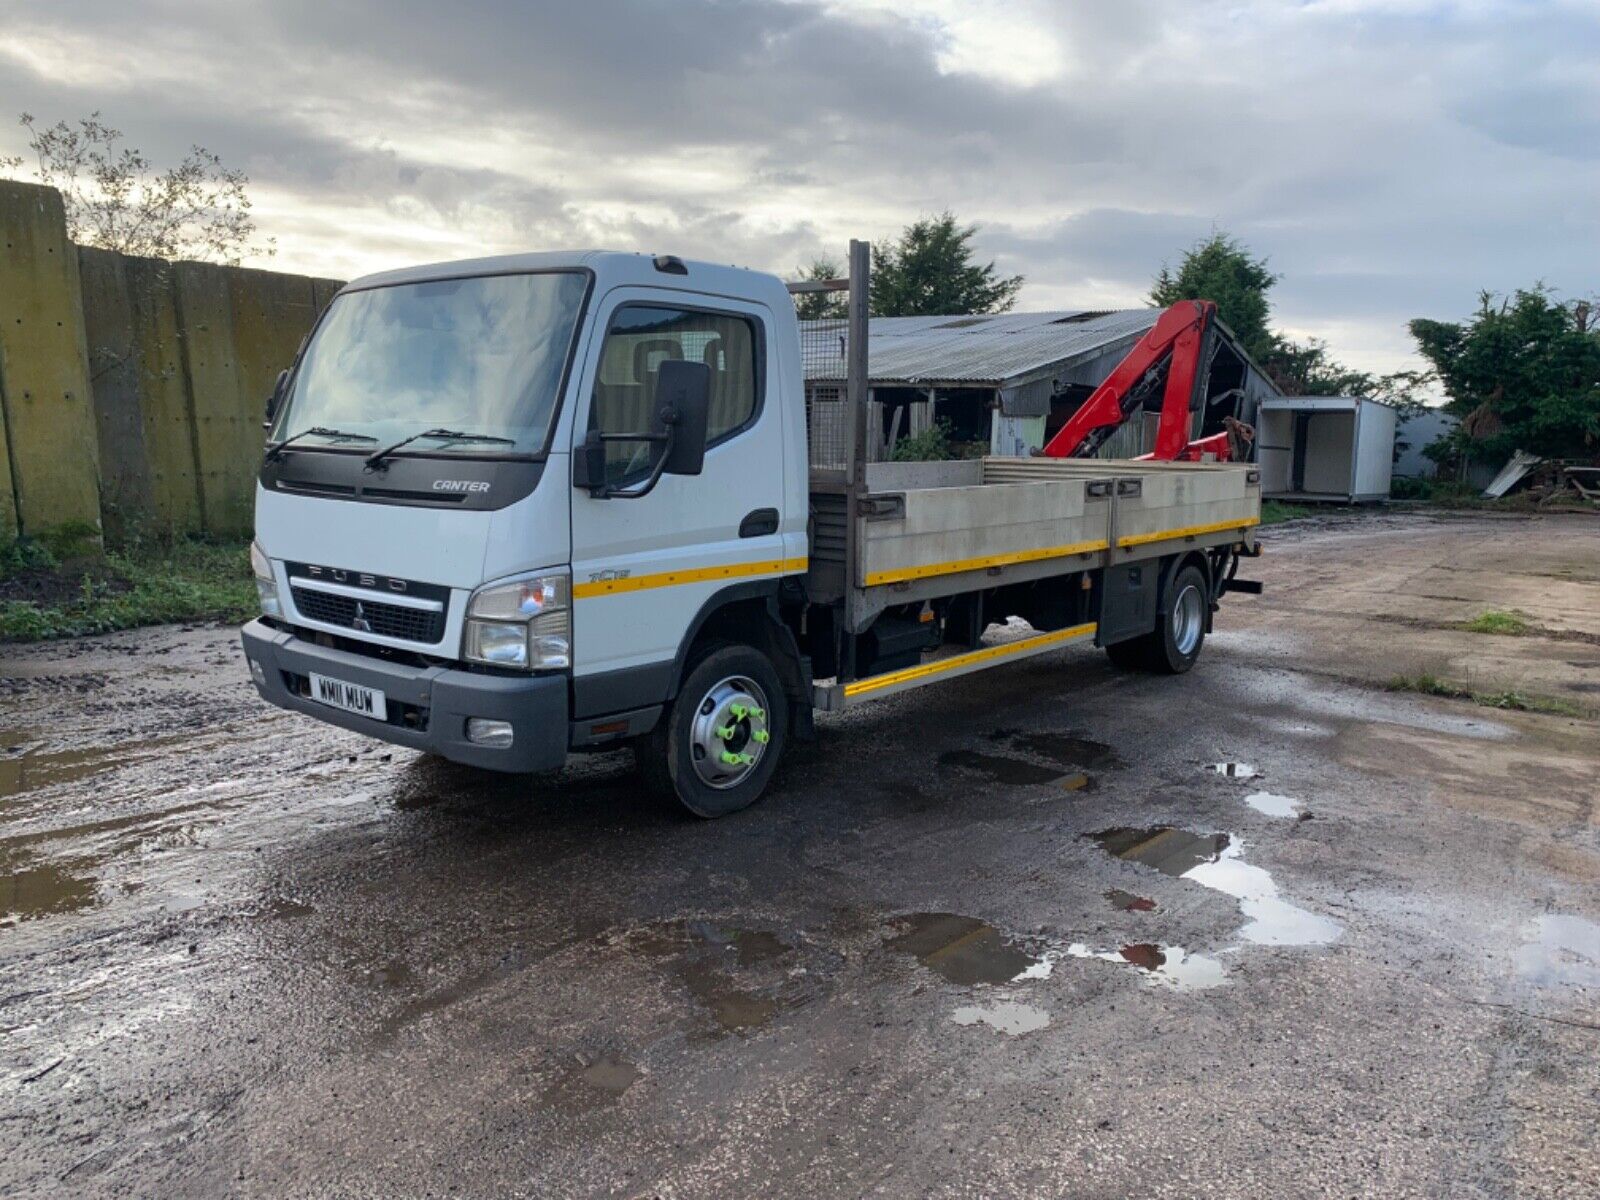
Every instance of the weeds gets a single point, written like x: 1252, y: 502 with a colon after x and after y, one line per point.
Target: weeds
x: 1432, y: 685
x: 1495, y: 621
x: 48, y: 589
x: 1275, y: 512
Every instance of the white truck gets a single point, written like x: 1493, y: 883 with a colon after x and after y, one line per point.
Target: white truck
x: 519, y: 507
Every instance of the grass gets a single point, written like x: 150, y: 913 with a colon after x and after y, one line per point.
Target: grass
x: 1432, y: 685
x: 1275, y: 512
x: 61, y: 590
x: 1495, y: 621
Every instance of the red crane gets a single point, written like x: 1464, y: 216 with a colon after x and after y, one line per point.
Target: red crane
x: 1173, y: 358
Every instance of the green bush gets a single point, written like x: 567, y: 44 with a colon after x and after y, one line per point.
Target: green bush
x: 931, y: 445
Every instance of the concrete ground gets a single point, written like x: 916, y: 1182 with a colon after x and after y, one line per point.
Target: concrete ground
x: 1011, y: 936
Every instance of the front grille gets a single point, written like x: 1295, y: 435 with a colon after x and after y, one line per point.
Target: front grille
x: 370, y: 616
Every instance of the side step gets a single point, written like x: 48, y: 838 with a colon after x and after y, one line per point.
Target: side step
x: 835, y: 696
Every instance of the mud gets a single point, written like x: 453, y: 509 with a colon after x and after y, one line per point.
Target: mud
x: 246, y: 954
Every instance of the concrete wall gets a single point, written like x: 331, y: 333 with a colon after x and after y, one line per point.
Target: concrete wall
x: 143, y: 382
x: 51, y: 453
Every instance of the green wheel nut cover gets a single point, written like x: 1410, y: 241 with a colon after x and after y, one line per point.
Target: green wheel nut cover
x: 725, y: 732
x: 761, y: 736
x: 737, y: 760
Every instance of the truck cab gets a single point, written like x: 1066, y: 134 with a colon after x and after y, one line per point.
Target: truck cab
x: 462, y: 594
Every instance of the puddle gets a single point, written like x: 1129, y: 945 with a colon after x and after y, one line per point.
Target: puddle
x: 1272, y: 920
x: 24, y: 770
x: 905, y: 795
x: 1067, y: 749
x: 28, y: 892
x: 1128, y: 902
x: 1170, y: 965
x: 1561, y: 951
x: 285, y: 908
x: 1015, y: 771
x: 1273, y: 805
x: 599, y: 1084
x: 1171, y: 851
x: 703, y: 954
x: 1215, y: 861
x: 1236, y: 770
x: 396, y: 974
x: 1006, y: 1016
x: 963, y: 950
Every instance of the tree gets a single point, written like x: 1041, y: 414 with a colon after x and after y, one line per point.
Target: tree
x: 1523, y: 374
x: 929, y: 271
x: 1307, y: 369
x: 1223, y: 271
x: 115, y: 199
x: 817, y: 306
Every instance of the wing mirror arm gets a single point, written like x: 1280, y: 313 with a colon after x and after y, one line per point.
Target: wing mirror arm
x: 589, y: 471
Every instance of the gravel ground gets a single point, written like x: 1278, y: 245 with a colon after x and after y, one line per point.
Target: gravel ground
x: 1013, y: 936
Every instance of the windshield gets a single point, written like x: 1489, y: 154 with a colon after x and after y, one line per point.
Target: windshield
x: 482, y: 357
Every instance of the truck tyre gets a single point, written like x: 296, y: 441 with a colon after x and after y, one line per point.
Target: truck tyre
x: 720, y: 742
x: 1180, y: 630
x: 1173, y: 645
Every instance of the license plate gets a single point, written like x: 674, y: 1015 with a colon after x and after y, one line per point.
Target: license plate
x: 351, y: 697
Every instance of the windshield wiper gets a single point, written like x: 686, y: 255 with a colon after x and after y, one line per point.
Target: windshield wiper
x: 375, y: 459
x: 275, y: 451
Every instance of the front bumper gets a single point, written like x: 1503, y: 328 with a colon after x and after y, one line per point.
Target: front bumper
x: 428, y: 707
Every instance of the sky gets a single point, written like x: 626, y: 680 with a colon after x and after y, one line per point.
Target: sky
x: 1390, y: 159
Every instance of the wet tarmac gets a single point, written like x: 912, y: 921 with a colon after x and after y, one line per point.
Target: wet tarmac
x: 245, y: 954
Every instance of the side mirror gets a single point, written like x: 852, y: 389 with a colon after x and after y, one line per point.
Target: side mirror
x: 683, y: 405
x: 275, y: 401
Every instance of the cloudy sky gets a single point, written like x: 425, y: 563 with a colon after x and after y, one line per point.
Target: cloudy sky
x: 1391, y: 158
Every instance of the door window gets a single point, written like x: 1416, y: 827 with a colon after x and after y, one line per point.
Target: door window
x: 640, y: 338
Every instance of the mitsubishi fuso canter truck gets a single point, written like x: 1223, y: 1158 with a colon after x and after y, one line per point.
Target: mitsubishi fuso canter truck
x: 519, y: 507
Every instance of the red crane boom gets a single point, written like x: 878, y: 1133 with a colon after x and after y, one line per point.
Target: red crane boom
x: 1171, y: 357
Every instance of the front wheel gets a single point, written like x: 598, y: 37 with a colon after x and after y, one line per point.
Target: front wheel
x: 720, y: 742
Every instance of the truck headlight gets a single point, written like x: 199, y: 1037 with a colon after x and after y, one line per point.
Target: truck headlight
x: 266, y: 584
x: 526, y: 623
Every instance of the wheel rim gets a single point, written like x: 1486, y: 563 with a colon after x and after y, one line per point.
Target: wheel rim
x: 730, y: 732
x: 1188, y: 619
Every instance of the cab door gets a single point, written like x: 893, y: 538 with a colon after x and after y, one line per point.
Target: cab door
x: 642, y: 569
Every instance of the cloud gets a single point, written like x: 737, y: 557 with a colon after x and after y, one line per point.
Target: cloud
x: 1390, y: 158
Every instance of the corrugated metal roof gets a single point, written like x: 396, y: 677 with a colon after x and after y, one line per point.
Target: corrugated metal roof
x: 981, y: 351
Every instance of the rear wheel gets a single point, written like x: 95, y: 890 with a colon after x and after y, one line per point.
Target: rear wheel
x: 1181, y: 630
x: 718, y: 745
x: 1172, y: 647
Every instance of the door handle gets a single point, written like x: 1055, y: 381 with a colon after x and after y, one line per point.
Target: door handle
x: 759, y: 523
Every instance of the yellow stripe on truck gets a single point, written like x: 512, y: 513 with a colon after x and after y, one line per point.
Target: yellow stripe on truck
x: 901, y: 574
x: 1141, y: 539
x: 642, y: 583
x: 987, y: 654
